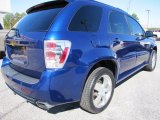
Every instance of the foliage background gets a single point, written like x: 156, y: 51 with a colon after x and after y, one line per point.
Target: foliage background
x: 11, y: 19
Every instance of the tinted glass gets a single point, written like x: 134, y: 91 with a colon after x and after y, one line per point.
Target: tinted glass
x: 86, y: 19
x: 118, y: 23
x: 135, y: 27
x: 37, y: 21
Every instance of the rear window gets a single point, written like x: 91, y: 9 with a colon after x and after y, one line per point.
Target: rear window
x: 87, y: 19
x: 37, y: 21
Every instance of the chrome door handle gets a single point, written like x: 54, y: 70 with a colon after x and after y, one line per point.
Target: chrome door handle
x: 117, y: 41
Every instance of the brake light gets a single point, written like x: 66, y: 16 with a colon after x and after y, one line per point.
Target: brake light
x: 56, y: 53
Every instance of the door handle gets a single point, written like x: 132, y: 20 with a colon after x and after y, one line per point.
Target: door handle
x: 117, y: 41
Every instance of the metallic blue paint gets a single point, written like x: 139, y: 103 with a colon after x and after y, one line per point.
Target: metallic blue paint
x: 59, y: 86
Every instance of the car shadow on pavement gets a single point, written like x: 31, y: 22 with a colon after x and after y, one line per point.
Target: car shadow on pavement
x: 63, y: 108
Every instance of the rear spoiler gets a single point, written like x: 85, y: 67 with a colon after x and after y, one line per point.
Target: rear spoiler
x: 47, y: 5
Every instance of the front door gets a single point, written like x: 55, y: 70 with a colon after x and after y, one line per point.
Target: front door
x: 123, y: 44
x: 143, y: 46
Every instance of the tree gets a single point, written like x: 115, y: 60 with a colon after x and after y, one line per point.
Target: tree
x: 8, y: 20
x: 18, y: 16
x: 134, y: 15
x: 11, y: 19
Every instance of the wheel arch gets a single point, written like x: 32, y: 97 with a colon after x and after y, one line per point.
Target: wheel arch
x: 155, y: 48
x: 111, y: 64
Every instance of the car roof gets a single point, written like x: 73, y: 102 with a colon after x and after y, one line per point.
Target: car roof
x: 100, y: 3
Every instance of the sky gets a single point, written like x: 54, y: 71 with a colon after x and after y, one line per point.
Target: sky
x: 132, y: 6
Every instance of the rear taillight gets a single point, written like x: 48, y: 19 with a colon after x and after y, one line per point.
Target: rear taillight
x: 56, y: 53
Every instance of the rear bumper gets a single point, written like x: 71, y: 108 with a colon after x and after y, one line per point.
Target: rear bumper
x: 55, y: 87
x: 18, y: 83
x: 10, y: 72
x: 42, y: 105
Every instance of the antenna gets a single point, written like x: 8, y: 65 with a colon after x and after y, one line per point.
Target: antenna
x: 148, y: 13
x: 129, y: 6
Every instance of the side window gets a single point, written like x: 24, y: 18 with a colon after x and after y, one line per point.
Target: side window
x: 118, y: 23
x: 87, y: 19
x: 136, y: 29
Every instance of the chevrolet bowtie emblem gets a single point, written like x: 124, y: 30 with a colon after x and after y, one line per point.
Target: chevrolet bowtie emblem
x: 13, y: 43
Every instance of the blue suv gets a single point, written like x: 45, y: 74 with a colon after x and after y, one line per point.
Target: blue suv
x: 63, y: 52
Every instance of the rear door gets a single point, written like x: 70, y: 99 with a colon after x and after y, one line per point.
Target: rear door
x: 123, y: 44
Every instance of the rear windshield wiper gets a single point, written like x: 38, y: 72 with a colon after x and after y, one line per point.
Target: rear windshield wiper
x: 84, y: 22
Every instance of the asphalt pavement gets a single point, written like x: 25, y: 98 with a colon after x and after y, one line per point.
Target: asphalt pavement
x: 136, y: 99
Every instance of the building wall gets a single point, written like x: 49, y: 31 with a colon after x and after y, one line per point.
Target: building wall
x: 5, y: 7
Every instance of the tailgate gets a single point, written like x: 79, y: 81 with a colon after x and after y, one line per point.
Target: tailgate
x: 25, y: 41
x: 26, y: 53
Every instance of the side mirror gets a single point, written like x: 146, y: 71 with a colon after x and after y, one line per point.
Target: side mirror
x: 149, y: 34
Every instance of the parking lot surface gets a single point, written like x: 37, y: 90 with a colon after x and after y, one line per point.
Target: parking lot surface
x: 136, y: 99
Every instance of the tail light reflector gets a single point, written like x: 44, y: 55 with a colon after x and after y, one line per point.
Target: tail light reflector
x: 56, y: 53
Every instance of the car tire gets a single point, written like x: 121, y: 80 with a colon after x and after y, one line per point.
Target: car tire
x: 2, y: 54
x: 98, y: 90
x: 152, y: 61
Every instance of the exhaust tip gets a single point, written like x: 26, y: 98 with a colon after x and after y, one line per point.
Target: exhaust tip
x: 43, y: 105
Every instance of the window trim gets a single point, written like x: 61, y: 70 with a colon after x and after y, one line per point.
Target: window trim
x: 73, y: 15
